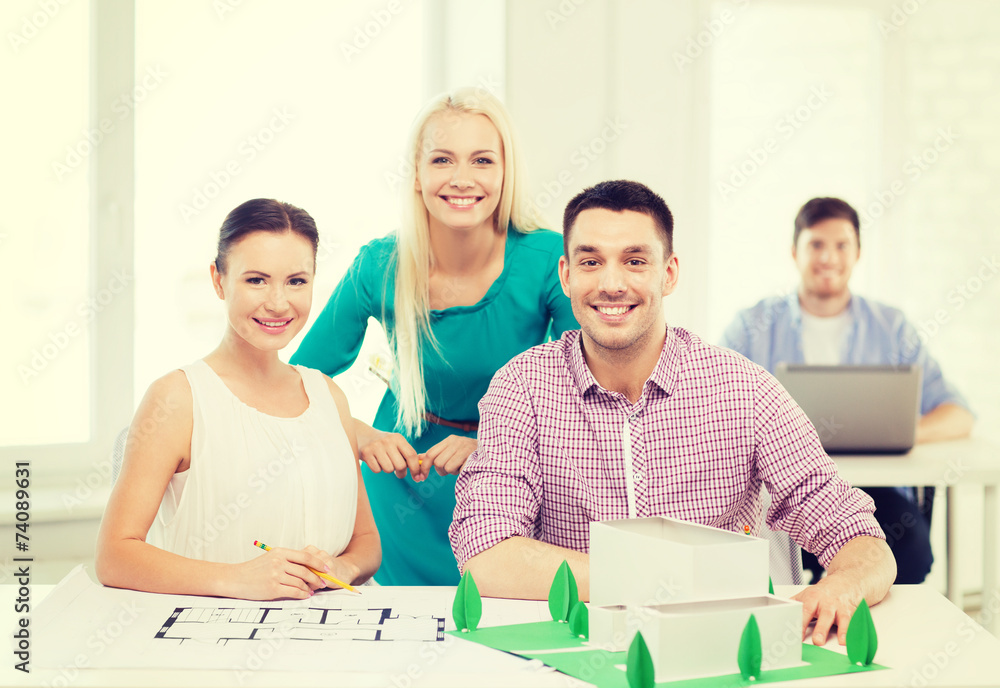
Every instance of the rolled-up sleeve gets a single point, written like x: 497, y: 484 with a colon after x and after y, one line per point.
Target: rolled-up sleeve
x: 809, y: 500
x: 498, y: 494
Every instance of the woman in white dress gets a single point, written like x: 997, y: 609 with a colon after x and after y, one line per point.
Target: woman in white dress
x: 240, y: 446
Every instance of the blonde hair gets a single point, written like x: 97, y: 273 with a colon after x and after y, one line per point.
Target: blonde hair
x: 414, y: 258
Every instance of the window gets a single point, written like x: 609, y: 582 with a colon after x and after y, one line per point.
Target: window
x: 45, y: 240
x: 168, y: 115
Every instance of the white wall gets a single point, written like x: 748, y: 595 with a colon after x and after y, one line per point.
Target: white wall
x: 898, y: 77
x: 595, y: 94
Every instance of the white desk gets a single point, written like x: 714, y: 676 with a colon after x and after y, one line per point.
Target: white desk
x: 923, y: 638
x: 945, y: 465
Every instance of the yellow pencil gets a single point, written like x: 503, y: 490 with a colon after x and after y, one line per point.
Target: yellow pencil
x: 346, y: 586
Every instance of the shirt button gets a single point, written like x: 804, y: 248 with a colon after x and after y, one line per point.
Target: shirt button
x: 637, y: 475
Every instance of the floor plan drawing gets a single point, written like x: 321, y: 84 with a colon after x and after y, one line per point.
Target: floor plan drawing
x: 223, y: 625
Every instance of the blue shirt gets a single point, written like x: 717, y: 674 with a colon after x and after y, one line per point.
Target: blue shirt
x: 771, y: 332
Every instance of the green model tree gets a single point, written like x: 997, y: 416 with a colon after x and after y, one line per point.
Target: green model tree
x: 579, y: 620
x: 862, y: 640
x: 467, y: 609
x: 563, y: 594
x: 749, y: 656
x: 639, y: 664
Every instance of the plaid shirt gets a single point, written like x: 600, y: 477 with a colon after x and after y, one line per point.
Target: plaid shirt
x: 557, y: 451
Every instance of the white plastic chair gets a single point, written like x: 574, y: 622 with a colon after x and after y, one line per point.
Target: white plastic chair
x: 118, y: 454
x: 785, y: 555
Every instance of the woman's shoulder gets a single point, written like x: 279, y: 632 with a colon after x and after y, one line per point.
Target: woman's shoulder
x: 382, y: 246
x: 375, y: 257
x: 324, y: 381
x: 172, y: 385
x: 166, y: 408
x: 327, y: 396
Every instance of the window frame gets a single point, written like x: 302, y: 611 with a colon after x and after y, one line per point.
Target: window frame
x: 111, y: 225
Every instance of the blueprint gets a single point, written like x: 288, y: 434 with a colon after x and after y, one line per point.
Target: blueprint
x: 82, y: 626
x: 224, y: 625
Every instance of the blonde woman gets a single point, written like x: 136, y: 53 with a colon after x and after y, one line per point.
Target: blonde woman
x: 467, y: 283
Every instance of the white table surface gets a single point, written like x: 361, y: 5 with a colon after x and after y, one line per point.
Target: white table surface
x: 972, y: 461
x: 924, y: 638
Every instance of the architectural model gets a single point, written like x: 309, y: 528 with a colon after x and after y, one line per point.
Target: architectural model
x: 690, y: 590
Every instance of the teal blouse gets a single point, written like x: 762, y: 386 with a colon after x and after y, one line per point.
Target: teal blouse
x: 474, y: 342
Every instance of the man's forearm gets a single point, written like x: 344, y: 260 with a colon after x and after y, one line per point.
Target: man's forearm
x: 522, y: 568
x: 945, y: 422
x: 867, y: 564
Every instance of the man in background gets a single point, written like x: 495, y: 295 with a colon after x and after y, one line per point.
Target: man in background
x: 824, y: 323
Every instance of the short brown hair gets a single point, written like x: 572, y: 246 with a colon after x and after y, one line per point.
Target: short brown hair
x: 827, y: 208
x: 618, y: 196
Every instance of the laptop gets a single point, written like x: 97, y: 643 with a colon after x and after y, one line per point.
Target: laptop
x: 857, y: 409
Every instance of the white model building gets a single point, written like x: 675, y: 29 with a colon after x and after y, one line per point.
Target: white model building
x: 690, y: 589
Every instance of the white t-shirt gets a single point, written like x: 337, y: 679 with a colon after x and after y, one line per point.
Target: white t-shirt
x: 824, y: 340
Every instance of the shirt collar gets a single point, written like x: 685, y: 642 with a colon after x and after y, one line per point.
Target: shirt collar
x: 664, y: 375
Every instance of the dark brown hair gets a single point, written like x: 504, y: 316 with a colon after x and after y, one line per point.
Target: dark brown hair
x: 263, y: 215
x: 618, y: 196
x: 819, y: 209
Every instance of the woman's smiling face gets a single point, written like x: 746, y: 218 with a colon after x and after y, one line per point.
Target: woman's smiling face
x: 267, y: 287
x: 460, y: 170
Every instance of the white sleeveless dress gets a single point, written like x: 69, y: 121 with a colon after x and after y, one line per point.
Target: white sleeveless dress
x: 288, y: 482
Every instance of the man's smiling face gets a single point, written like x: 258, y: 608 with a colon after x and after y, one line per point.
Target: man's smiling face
x: 616, y: 275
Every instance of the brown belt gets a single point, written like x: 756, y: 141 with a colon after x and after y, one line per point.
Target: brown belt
x: 458, y: 425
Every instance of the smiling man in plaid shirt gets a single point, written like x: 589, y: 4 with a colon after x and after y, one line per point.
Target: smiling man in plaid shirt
x: 629, y: 418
